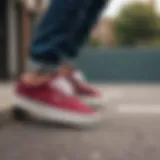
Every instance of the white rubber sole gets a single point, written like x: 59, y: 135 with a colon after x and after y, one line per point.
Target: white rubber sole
x: 54, y: 114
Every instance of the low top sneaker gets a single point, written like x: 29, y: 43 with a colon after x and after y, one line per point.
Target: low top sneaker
x: 55, y: 101
x: 88, y: 94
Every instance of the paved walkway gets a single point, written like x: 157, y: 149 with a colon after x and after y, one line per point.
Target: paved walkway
x: 6, y: 96
x: 130, y: 130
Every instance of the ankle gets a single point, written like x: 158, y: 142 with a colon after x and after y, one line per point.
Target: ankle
x: 34, y: 78
x: 65, y: 69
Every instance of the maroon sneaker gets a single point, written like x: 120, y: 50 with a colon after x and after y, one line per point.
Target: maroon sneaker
x: 88, y: 94
x: 55, y: 101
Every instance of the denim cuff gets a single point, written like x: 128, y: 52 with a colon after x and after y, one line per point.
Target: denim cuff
x: 44, y: 67
x: 40, y: 66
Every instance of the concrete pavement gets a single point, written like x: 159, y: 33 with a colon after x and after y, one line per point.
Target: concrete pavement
x: 118, y: 138
x: 6, y: 95
x: 125, y: 134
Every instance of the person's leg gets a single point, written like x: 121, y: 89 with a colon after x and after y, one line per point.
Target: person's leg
x: 54, y: 30
x: 37, y: 91
x: 90, y: 15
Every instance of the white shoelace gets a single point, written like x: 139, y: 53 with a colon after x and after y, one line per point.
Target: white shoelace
x: 78, y: 75
x: 63, y: 85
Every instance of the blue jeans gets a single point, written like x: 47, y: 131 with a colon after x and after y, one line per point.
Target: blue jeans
x: 63, y: 29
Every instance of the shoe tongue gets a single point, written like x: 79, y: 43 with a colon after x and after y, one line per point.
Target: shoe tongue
x: 63, y: 85
x: 78, y: 75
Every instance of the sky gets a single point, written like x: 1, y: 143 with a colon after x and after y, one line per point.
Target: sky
x: 114, y: 6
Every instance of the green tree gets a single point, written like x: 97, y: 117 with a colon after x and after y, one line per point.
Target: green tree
x: 136, y: 22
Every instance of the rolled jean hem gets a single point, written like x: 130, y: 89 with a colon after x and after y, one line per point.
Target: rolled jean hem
x: 40, y: 66
x: 44, y: 67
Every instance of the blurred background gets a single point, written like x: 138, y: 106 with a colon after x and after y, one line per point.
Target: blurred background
x: 121, y: 58
x: 124, y: 44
